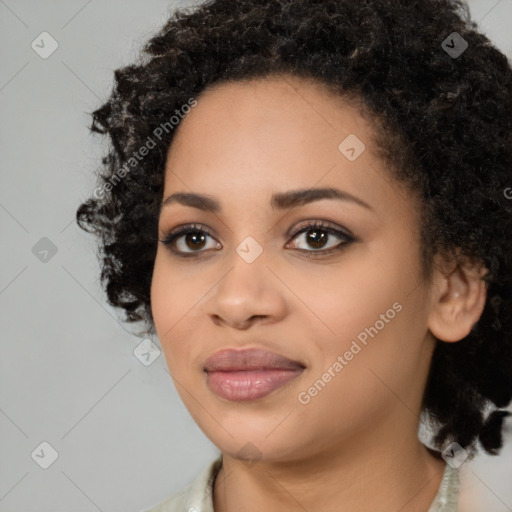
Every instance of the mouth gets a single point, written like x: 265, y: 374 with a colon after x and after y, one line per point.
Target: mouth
x: 250, y: 374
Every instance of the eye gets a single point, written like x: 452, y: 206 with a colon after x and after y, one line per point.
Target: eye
x: 193, y: 237
x: 318, y: 235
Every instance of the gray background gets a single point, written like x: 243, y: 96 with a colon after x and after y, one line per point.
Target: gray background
x: 68, y: 374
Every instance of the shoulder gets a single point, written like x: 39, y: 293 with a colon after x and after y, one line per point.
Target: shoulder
x: 195, y: 497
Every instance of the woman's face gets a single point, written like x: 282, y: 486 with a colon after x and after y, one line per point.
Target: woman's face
x: 349, y: 307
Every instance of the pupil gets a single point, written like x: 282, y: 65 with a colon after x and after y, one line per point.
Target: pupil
x: 316, y: 237
x: 194, y: 237
x: 315, y: 234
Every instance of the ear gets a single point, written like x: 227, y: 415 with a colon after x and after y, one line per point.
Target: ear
x: 458, y: 299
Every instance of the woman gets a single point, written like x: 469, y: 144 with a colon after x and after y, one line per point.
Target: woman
x: 308, y: 203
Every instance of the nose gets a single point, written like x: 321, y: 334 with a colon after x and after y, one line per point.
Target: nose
x: 248, y: 293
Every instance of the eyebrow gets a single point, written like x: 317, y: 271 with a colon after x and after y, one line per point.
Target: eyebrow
x: 279, y: 201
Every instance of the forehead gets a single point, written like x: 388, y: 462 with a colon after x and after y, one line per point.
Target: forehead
x: 274, y: 134
x: 302, y: 107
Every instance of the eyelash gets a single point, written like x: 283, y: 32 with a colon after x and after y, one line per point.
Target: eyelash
x: 172, y: 236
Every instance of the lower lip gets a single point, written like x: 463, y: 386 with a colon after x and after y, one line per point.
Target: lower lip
x: 243, y: 386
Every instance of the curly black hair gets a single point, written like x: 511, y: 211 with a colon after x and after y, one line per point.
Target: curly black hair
x: 440, y: 94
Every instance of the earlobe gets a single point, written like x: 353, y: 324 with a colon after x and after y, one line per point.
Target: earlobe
x: 458, y: 301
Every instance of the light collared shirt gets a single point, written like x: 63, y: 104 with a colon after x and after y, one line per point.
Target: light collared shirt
x: 198, y: 495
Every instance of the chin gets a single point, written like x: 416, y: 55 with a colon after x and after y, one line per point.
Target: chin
x: 264, y: 440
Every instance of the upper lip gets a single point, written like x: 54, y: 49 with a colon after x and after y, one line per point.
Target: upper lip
x: 249, y: 359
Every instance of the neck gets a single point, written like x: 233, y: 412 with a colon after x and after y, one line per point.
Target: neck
x: 368, y: 473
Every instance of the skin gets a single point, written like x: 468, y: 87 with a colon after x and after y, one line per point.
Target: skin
x: 242, y: 143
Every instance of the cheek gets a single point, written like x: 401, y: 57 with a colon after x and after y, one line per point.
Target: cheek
x: 160, y: 295
x: 366, y: 314
x: 354, y: 372
x: 173, y: 293
x: 381, y: 350
x: 340, y: 303
x: 169, y: 305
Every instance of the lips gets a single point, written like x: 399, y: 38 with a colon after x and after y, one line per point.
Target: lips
x: 250, y: 374
x: 249, y: 359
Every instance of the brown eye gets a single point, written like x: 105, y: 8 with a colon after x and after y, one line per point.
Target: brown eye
x: 187, y: 240
x: 320, y: 239
x: 194, y: 240
x: 319, y: 235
